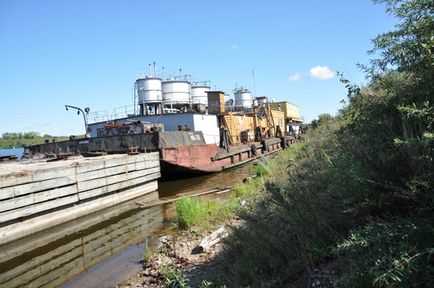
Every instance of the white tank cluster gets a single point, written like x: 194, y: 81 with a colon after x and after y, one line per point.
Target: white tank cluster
x: 175, y: 94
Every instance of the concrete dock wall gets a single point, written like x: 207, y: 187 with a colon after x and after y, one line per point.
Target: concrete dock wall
x: 37, y: 196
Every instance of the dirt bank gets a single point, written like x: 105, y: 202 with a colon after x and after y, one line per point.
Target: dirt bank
x: 176, y: 250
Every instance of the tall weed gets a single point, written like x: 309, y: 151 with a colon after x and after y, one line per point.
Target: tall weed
x: 203, y: 214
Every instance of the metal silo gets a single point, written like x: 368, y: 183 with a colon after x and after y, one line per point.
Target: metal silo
x: 199, y: 95
x: 149, y: 90
x: 176, y: 93
x: 149, y: 95
x: 243, y: 98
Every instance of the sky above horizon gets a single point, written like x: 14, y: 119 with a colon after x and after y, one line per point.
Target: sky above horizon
x: 89, y: 53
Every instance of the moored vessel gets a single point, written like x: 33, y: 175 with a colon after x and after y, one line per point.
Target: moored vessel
x: 195, y: 130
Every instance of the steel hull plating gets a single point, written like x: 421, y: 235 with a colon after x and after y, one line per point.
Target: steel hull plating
x: 208, y: 158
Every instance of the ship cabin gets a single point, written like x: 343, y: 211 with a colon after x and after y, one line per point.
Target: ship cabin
x: 245, y: 122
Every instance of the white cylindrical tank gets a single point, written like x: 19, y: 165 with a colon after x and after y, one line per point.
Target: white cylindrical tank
x: 199, y: 95
x: 176, y: 92
x: 243, y: 98
x: 227, y: 97
x: 149, y: 90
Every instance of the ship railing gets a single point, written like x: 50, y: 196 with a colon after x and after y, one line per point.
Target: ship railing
x: 238, y: 109
x: 98, y: 116
x: 118, y: 112
x: 124, y: 111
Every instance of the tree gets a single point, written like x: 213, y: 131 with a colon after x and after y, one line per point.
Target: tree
x: 410, y: 48
x: 322, y: 119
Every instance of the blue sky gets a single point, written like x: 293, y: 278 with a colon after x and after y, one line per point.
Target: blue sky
x: 88, y: 53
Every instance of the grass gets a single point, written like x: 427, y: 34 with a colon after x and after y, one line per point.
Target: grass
x: 205, y: 214
x: 175, y: 277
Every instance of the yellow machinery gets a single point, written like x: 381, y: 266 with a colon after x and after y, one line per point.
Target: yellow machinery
x: 246, y: 126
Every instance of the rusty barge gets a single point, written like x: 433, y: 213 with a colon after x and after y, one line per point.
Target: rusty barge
x: 195, y: 130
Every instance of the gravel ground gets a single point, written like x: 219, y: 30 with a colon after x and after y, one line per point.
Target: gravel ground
x: 176, y: 250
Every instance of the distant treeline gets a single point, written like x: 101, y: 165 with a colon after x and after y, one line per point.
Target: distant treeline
x: 12, y: 139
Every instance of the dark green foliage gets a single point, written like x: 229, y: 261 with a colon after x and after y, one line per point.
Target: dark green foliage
x: 357, y: 207
x: 322, y: 119
x: 409, y: 48
x: 386, y: 254
x: 261, y: 171
x: 9, y: 140
x: 295, y: 227
x: 388, y: 126
x: 175, y: 277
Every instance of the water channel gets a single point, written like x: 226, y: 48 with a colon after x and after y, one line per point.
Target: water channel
x: 104, y: 248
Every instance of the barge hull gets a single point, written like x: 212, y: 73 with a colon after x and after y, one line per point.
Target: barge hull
x: 208, y: 158
x: 37, y: 196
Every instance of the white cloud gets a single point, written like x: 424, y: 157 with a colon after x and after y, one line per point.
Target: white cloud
x: 321, y: 73
x: 235, y: 46
x: 295, y: 77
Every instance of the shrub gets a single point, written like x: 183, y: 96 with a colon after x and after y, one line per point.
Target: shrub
x: 174, y: 277
x: 189, y: 211
x: 261, y: 170
x: 203, y: 214
x: 397, y: 253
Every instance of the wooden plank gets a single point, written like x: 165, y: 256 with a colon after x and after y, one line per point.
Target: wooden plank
x: 15, y: 231
x: 116, y: 186
x: 101, y: 171
x: 23, y: 176
x: 18, y: 190
x: 14, y: 203
x: 19, y: 173
x: 36, y: 208
x: 47, y: 195
x: 122, y: 160
x: 100, y: 182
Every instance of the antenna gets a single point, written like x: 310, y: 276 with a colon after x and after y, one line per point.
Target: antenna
x: 155, y: 75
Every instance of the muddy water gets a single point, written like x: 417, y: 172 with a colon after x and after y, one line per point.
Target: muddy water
x: 101, y: 249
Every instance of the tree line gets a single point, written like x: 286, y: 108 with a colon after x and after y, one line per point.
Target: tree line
x: 19, y: 139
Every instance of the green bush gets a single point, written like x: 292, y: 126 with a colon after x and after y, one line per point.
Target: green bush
x: 355, y: 207
x: 261, y: 171
x: 398, y: 253
x: 189, y: 211
x: 175, y: 277
x: 298, y: 221
x: 203, y: 214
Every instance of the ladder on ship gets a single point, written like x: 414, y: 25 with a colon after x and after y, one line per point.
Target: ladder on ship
x: 227, y: 123
x: 269, y: 117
